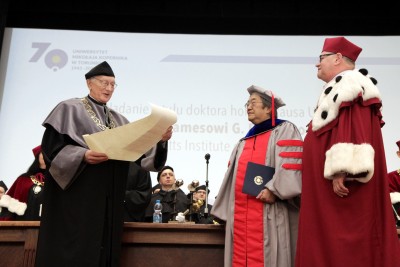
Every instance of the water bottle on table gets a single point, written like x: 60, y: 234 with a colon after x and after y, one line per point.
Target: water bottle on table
x: 157, y: 215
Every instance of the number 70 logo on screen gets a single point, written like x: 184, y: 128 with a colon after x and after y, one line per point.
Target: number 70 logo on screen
x: 54, y: 59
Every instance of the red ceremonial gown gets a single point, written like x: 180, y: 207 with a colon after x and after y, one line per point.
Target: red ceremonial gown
x: 27, y: 190
x: 248, y: 232
x: 394, y: 181
x: 394, y: 189
x: 357, y: 230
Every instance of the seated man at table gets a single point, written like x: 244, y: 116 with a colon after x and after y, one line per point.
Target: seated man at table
x: 173, y: 199
x: 199, y: 214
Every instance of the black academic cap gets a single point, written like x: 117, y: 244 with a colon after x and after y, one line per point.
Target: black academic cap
x: 202, y: 187
x: 101, y: 69
x: 2, y: 184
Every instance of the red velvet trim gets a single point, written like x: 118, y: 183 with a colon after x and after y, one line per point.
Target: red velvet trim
x: 286, y: 154
x: 292, y: 166
x: 248, y: 232
x: 290, y: 142
x: 40, y: 177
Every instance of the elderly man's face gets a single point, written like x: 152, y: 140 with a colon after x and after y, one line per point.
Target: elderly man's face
x: 101, y: 88
x: 256, y: 112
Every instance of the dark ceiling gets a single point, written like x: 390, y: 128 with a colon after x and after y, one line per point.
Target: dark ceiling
x: 272, y: 17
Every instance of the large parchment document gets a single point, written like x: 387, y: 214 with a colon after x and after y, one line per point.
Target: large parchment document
x: 130, y: 141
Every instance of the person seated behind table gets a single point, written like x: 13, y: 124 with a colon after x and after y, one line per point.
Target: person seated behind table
x: 197, y: 211
x: 24, y: 198
x: 173, y: 199
x: 394, y: 188
x: 192, y: 190
x: 138, y: 193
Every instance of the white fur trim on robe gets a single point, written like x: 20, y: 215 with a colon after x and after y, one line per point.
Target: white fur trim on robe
x: 13, y: 205
x: 350, y: 158
x: 352, y: 84
x: 395, y: 197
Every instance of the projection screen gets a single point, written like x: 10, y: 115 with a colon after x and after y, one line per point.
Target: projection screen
x: 203, y: 78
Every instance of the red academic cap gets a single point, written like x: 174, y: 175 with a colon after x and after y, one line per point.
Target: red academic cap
x: 37, y: 150
x: 343, y: 46
x: 398, y: 144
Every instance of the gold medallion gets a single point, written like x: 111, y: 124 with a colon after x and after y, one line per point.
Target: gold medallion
x: 258, y: 180
x: 37, y: 189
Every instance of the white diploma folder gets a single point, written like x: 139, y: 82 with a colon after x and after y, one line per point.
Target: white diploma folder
x: 130, y: 141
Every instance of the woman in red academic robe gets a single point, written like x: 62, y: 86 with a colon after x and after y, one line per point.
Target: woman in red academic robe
x: 23, y: 200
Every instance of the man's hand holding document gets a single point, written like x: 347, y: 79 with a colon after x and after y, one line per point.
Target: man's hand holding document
x: 132, y: 140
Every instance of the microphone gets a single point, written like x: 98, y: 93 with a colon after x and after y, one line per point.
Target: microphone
x: 207, y: 157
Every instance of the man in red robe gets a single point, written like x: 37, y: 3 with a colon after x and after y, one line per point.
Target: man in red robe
x: 346, y: 216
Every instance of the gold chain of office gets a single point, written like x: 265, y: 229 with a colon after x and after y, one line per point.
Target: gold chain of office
x: 38, y: 184
x: 94, y: 117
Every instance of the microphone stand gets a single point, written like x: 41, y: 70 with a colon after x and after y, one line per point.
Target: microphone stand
x: 207, y: 157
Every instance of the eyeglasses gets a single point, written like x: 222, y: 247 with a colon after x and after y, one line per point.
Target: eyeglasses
x: 105, y: 84
x: 248, y: 103
x: 321, y: 57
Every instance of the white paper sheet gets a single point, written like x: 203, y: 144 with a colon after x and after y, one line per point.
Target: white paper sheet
x: 132, y: 140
